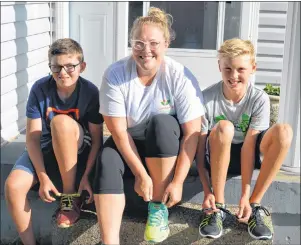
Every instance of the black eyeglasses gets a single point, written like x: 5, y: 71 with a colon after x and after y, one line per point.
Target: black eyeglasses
x: 67, y: 68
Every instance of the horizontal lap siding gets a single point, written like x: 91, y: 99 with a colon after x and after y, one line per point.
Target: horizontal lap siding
x: 25, y: 40
x: 270, y: 44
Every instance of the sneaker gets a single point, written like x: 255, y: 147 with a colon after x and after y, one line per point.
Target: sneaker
x: 69, y: 212
x: 156, y: 229
x: 258, y: 226
x: 211, y: 225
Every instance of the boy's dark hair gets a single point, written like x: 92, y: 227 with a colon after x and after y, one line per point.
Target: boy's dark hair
x: 65, y: 46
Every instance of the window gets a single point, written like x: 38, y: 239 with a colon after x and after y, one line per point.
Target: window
x: 135, y: 10
x: 232, y: 20
x: 198, y: 25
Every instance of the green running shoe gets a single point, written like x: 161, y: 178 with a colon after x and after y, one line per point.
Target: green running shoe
x: 156, y: 229
x: 258, y: 227
x: 211, y: 225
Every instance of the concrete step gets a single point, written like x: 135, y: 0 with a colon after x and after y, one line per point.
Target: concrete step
x: 283, y: 197
x: 183, y: 222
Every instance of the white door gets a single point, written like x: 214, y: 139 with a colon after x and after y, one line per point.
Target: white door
x: 92, y: 25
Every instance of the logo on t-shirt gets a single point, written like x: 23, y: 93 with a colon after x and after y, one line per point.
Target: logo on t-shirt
x: 242, y: 125
x: 165, y: 102
x: 51, y: 112
x: 164, y: 106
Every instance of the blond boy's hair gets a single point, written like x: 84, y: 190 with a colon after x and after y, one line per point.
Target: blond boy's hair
x: 236, y: 47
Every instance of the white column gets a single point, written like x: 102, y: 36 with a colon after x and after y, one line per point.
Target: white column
x: 289, y: 110
x: 121, y: 39
x: 61, y: 20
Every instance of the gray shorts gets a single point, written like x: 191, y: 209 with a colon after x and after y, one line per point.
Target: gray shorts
x: 51, y: 166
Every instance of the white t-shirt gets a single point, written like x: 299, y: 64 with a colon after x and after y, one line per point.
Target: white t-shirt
x: 174, y: 91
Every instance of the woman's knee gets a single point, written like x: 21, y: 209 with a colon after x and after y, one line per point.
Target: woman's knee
x: 109, y: 172
x: 109, y: 161
x: 163, y: 124
x: 162, y: 136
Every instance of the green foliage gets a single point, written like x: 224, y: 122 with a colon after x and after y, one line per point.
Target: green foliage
x: 272, y: 90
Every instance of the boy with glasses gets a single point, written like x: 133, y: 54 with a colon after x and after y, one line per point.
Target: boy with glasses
x: 63, y: 136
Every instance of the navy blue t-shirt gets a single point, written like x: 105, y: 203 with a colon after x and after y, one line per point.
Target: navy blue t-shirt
x: 44, y: 103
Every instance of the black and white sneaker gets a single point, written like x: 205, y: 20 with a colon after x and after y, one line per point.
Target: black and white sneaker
x: 211, y: 225
x: 258, y: 226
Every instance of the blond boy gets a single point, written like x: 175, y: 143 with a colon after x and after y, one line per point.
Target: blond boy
x: 235, y: 131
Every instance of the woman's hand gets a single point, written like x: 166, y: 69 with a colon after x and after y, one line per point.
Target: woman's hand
x: 172, y: 194
x: 144, y: 187
x: 85, y: 185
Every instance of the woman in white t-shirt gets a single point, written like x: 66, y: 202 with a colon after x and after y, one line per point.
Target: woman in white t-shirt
x: 152, y: 106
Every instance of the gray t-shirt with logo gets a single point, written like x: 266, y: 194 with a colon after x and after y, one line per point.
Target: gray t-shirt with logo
x: 253, y: 111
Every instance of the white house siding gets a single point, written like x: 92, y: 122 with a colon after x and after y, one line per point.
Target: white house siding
x: 25, y: 39
x: 270, y: 45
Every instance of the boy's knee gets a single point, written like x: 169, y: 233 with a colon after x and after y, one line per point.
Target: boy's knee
x: 13, y: 186
x: 225, y: 128
x: 62, y: 123
x: 283, y: 134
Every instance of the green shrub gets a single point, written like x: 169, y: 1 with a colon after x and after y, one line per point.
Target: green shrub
x: 272, y: 90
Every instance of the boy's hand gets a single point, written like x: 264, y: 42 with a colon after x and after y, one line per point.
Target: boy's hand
x: 85, y: 185
x: 209, y: 202
x: 46, y: 186
x: 173, y: 194
x: 144, y: 187
x: 244, y: 211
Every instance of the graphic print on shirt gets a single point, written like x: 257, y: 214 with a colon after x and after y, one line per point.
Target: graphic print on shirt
x: 242, y: 124
x: 51, y: 112
x: 164, y: 106
x: 165, y: 102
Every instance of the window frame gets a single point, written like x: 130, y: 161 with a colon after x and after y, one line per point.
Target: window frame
x: 249, y: 18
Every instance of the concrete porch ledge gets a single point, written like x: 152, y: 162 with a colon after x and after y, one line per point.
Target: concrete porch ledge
x: 283, y: 197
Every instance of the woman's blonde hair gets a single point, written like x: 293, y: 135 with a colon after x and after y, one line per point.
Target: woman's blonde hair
x: 236, y: 47
x: 157, y: 17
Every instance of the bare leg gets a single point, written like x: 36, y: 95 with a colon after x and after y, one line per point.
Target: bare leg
x: 17, y: 186
x: 67, y: 137
x: 161, y: 171
x: 220, y: 139
x: 274, y: 146
x: 109, y: 209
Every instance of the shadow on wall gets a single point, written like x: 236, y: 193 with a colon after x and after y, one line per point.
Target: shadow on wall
x: 15, y: 79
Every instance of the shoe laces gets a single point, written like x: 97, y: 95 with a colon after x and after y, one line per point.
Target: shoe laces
x: 67, y: 201
x: 215, y: 215
x: 257, y: 215
x: 155, y: 216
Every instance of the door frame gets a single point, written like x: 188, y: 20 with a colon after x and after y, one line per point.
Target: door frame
x: 120, y: 25
x: 250, y: 14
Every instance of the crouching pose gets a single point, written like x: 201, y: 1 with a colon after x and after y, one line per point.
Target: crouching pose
x: 235, y: 133
x: 63, y: 137
x: 152, y: 106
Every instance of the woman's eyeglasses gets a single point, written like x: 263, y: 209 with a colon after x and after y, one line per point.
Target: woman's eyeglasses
x: 140, y: 45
